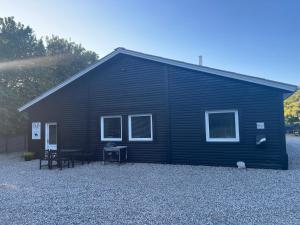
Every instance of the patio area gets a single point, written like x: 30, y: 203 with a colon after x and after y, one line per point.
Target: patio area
x: 149, y: 193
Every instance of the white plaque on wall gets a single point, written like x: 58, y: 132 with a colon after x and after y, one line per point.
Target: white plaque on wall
x: 260, y: 125
x: 36, y: 130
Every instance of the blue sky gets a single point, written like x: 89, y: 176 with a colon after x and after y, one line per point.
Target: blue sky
x: 260, y: 38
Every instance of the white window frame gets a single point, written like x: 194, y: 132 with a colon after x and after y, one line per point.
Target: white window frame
x: 102, y: 128
x: 47, y: 145
x: 130, y: 138
x: 236, y: 119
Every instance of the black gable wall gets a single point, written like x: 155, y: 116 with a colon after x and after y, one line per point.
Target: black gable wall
x: 128, y: 85
x: 177, y: 98
x: 192, y: 93
x: 122, y: 86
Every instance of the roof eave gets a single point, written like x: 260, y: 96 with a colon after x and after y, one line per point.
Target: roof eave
x: 66, y: 82
x: 228, y: 74
x: 283, y: 86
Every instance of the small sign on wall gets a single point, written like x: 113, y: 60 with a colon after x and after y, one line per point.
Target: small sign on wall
x: 260, y: 125
x: 36, y: 130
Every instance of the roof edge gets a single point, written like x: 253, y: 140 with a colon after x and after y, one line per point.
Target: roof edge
x: 228, y: 74
x: 275, y: 84
x: 69, y: 80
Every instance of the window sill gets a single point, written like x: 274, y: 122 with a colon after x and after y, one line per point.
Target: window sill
x: 222, y: 140
x: 111, y: 139
x: 141, y: 140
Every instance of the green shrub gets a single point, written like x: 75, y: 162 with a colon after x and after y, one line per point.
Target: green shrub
x: 29, y: 156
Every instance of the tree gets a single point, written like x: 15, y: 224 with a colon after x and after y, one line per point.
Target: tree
x: 292, y: 108
x: 30, y: 66
x: 16, y: 42
x: 74, y: 56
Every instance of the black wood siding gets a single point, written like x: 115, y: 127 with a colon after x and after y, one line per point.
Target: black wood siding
x: 177, y: 98
x: 68, y: 108
x: 192, y: 93
x: 128, y: 85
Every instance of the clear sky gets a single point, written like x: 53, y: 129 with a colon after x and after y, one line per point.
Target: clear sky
x: 254, y: 37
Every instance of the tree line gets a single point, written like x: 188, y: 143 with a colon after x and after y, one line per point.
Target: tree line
x: 29, y: 66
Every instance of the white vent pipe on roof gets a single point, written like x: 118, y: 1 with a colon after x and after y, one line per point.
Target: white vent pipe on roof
x: 200, y: 60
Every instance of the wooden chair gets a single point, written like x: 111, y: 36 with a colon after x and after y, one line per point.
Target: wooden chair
x: 51, y: 156
x: 47, y: 157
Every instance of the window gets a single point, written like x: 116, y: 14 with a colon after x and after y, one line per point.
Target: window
x: 111, y: 128
x: 140, y: 127
x: 222, y: 126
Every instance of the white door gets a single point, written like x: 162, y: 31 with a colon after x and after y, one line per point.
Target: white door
x: 51, y: 136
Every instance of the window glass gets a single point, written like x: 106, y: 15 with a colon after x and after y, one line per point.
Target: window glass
x: 140, y: 127
x: 52, y: 134
x: 222, y: 125
x: 112, y: 128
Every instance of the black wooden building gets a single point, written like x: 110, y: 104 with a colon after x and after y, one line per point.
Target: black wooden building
x: 165, y: 111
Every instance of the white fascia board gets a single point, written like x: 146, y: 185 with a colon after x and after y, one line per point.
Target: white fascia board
x: 237, y: 76
x: 223, y: 73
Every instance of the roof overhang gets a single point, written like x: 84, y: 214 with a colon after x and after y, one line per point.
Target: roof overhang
x: 274, y: 84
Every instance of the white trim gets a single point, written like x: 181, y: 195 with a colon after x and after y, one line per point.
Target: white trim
x: 252, y: 79
x: 102, y: 128
x: 47, y: 145
x: 130, y: 138
x: 236, y: 120
x: 233, y: 75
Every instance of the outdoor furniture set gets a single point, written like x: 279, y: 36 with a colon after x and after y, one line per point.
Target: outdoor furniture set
x: 67, y: 157
x: 63, y: 157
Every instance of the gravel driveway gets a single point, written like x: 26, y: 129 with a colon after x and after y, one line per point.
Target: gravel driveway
x: 149, y: 193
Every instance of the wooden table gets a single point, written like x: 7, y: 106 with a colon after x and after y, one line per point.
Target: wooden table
x: 70, y: 154
x: 121, y: 150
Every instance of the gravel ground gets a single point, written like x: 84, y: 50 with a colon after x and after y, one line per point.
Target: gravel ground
x: 149, y: 193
